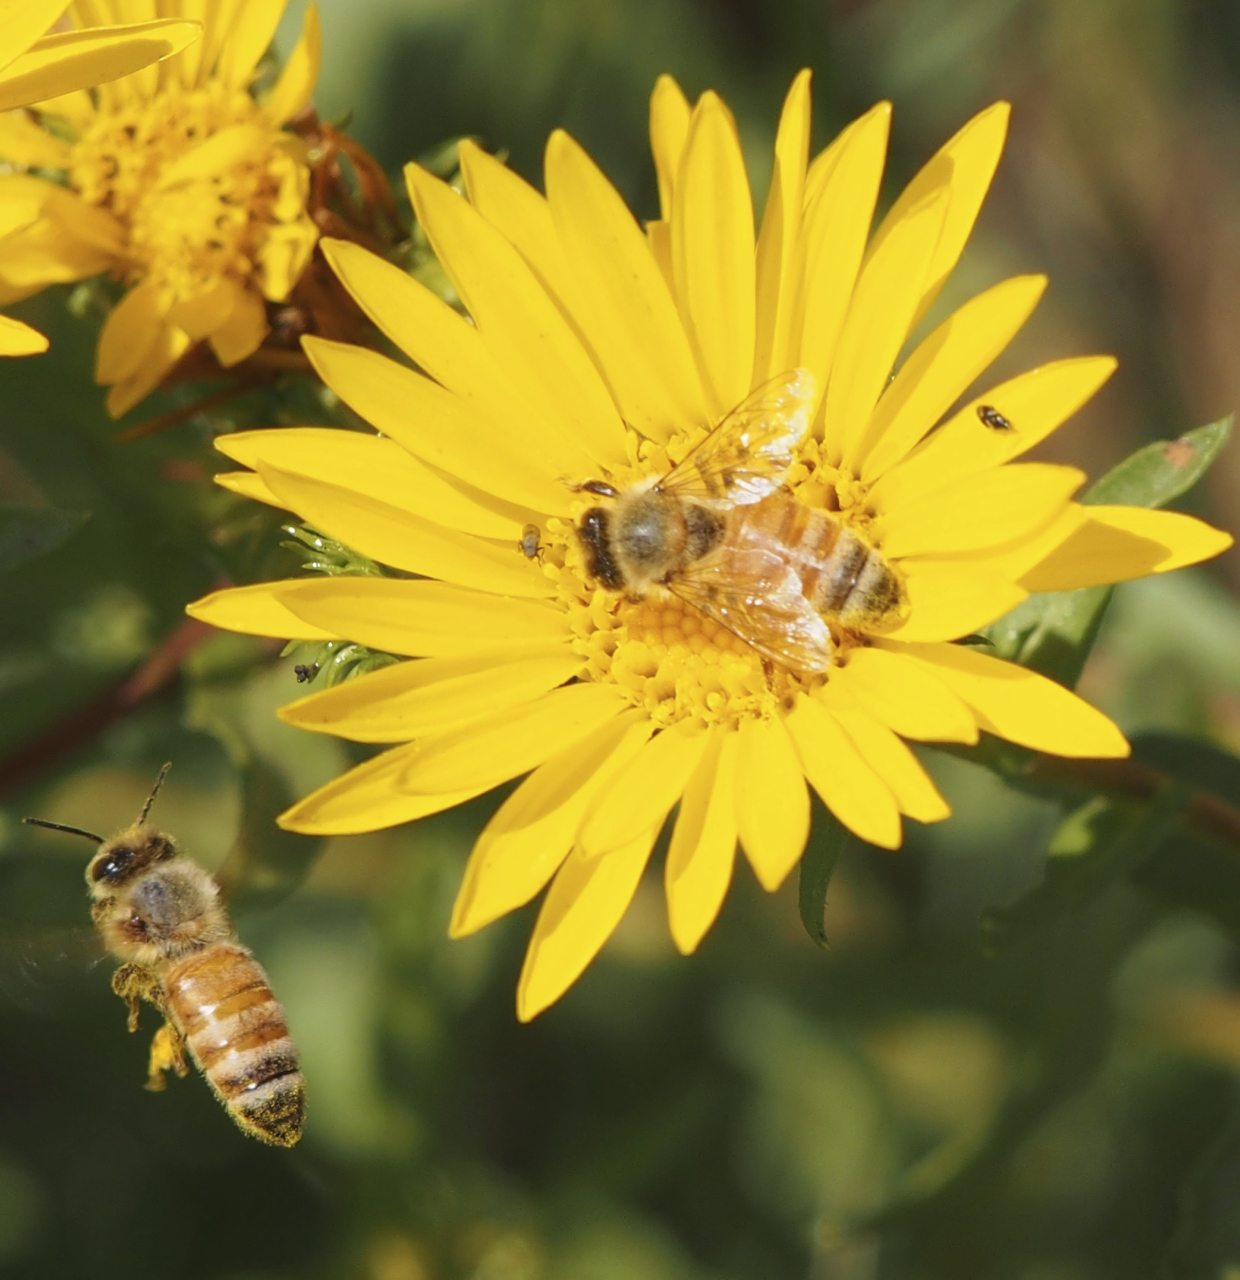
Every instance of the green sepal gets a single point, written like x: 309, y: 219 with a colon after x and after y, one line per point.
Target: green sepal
x: 818, y: 865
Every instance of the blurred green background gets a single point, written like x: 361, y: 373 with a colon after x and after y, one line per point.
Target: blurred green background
x: 907, y: 1105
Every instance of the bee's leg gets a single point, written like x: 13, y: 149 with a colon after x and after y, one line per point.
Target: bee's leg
x: 167, y: 1054
x: 133, y: 983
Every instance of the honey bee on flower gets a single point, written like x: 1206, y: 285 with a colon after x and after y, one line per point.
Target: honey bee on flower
x: 759, y: 546
x: 177, y: 181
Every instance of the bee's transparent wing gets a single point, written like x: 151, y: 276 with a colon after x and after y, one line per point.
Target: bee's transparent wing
x: 748, y: 454
x: 756, y: 595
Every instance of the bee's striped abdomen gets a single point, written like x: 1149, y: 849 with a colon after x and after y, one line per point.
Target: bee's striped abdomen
x: 220, y: 1001
x: 842, y: 576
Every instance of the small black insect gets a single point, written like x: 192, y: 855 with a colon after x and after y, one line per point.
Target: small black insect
x: 305, y: 673
x: 530, y: 545
x: 992, y: 418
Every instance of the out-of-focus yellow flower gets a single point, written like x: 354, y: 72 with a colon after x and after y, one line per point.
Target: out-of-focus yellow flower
x: 594, y: 349
x: 176, y: 181
x: 34, y: 65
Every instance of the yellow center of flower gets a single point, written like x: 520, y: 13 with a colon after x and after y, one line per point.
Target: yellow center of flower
x: 206, y: 186
x: 669, y: 658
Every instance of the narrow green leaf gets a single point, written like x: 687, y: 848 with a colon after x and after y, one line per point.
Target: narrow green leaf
x: 265, y: 863
x: 1120, y: 838
x: 817, y: 867
x: 1162, y: 471
x: 28, y: 532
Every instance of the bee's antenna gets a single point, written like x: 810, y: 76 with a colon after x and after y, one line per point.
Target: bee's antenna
x: 150, y: 800
x: 60, y: 826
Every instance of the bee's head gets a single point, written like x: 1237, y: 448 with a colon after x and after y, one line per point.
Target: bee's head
x: 594, y: 532
x: 127, y: 856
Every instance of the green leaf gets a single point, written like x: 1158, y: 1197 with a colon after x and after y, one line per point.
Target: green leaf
x: 265, y: 863
x: 1162, y: 471
x: 29, y: 532
x: 817, y: 867
x: 1103, y: 842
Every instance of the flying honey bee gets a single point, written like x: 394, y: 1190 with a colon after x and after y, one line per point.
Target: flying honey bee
x: 721, y: 533
x: 160, y: 913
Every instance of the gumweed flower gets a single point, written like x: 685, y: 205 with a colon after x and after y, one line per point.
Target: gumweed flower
x: 176, y: 181
x: 600, y: 363
x: 35, y: 65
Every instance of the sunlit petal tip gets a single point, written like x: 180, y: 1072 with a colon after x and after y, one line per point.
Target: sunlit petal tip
x: 17, y: 339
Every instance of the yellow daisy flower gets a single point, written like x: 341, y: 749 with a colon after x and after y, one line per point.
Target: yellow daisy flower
x: 595, y: 350
x: 34, y: 65
x: 176, y: 181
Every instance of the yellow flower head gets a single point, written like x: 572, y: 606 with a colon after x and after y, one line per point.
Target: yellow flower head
x: 598, y: 351
x: 178, y: 182
x: 34, y: 66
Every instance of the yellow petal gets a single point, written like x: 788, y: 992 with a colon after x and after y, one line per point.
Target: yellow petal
x: 878, y: 322
x: 256, y: 611
x: 986, y: 510
x: 584, y: 904
x: 17, y: 339
x: 1019, y: 704
x: 367, y: 799
x: 249, y: 34
x: 220, y: 152
x: 72, y: 60
x: 950, y: 599
x: 966, y: 163
x: 530, y: 836
x: 906, y: 696
x: 129, y: 334
x: 207, y: 311
x: 24, y: 142
x: 301, y: 71
x: 521, y: 215
x: 1114, y: 544
x: 898, y: 767
x: 699, y: 859
x: 713, y: 252
x: 169, y: 346
x: 248, y: 485
x: 942, y: 368
x: 857, y: 796
x: 452, y: 351
x: 669, y: 128
x: 420, y: 619
x: 241, y: 335
x: 397, y: 703
x: 22, y: 22
x: 781, y: 227
x: 624, y: 304
x: 436, y: 425
x: 379, y: 468
x: 405, y: 540
x: 526, y: 334
x: 841, y: 191
x: 1035, y: 403
x: 772, y: 802
x: 643, y: 792
x: 511, y: 742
